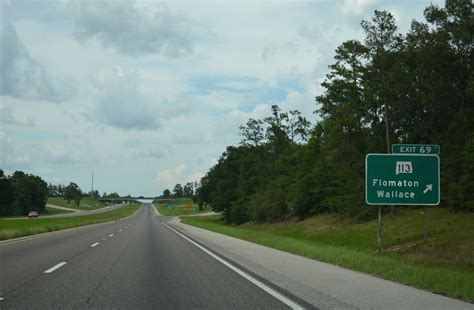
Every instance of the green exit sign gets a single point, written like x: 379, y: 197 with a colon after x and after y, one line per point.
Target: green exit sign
x: 397, y: 179
x: 415, y: 149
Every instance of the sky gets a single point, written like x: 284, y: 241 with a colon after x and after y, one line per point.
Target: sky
x: 147, y: 94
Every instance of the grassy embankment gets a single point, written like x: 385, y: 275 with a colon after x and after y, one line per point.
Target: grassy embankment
x: 86, y: 203
x: 53, y: 211
x: 181, y: 206
x: 24, y: 227
x: 48, y: 211
x: 444, y: 264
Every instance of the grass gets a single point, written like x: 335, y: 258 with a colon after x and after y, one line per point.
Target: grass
x: 53, y: 211
x: 444, y: 264
x: 49, y: 211
x: 87, y: 203
x: 181, y: 206
x: 24, y: 227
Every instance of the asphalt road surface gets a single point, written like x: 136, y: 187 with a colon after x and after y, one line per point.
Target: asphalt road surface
x: 135, y: 263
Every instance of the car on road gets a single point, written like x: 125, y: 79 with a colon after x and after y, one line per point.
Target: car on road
x: 33, y: 214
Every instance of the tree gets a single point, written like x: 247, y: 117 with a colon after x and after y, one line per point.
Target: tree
x: 56, y: 190
x: 253, y: 133
x: 276, y: 132
x: 166, y: 193
x: 381, y: 40
x: 178, y: 190
x: 94, y: 194
x: 73, y: 192
x: 7, y: 195
x: 188, y: 190
x: 416, y: 88
x: 297, y: 126
x: 30, y: 193
x: 113, y: 195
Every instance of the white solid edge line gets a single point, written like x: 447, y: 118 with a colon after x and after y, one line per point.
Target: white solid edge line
x: 55, y: 267
x: 111, y: 235
x: 261, y: 285
x: 95, y: 244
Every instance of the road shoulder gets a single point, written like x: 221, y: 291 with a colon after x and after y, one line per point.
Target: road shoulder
x: 320, y: 284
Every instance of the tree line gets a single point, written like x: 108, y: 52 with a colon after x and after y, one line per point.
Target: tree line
x: 21, y: 193
x: 391, y: 88
x: 180, y: 191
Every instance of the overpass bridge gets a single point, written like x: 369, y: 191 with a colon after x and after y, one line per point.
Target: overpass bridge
x: 131, y: 199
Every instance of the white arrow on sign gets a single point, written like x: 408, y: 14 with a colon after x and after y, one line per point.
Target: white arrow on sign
x: 429, y: 187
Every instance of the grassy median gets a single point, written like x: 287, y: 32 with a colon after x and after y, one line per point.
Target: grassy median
x: 24, y: 227
x: 86, y: 203
x: 444, y: 264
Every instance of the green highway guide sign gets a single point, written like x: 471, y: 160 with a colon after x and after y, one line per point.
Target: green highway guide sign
x: 415, y: 149
x: 398, y: 179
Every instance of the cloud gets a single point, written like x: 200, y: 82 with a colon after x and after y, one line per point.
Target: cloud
x: 172, y: 175
x: 8, y: 118
x: 355, y: 7
x: 197, y: 176
x: 9, y: 159
x: 155, y: 154
x: 21, y: 76
x: 57, y: 154
x: 189, y: 108
x: 132, y: 28
x: 301, y: 101
x: 120, y: 103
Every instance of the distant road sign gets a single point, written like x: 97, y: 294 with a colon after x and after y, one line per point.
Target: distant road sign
x: 397, y: 179
x: 415, y: 149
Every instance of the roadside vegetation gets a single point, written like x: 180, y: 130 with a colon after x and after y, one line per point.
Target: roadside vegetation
x: 298, y: 184
x: 86, y: 203
x: 390, y: 88
x: 53, y: 211
x: 24, y: 227
x: 180, y: 206
x: 443, y: 264
x: 21, y: 193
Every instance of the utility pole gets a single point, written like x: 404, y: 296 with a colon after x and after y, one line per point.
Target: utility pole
x: 92, y: 190
x: 386, y: 120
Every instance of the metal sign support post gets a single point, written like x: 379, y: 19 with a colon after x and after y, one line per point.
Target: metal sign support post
x: 401, y: 179
x: 425, y: 223
x: 379, y: 231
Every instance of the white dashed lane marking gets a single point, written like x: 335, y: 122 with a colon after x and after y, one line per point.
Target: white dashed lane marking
x: 95, y: 244
x: 55, y: 267
x: 111, y: 235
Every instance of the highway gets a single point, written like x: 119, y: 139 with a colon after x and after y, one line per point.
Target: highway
x: 148, y: 261
x: 135, y: 263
